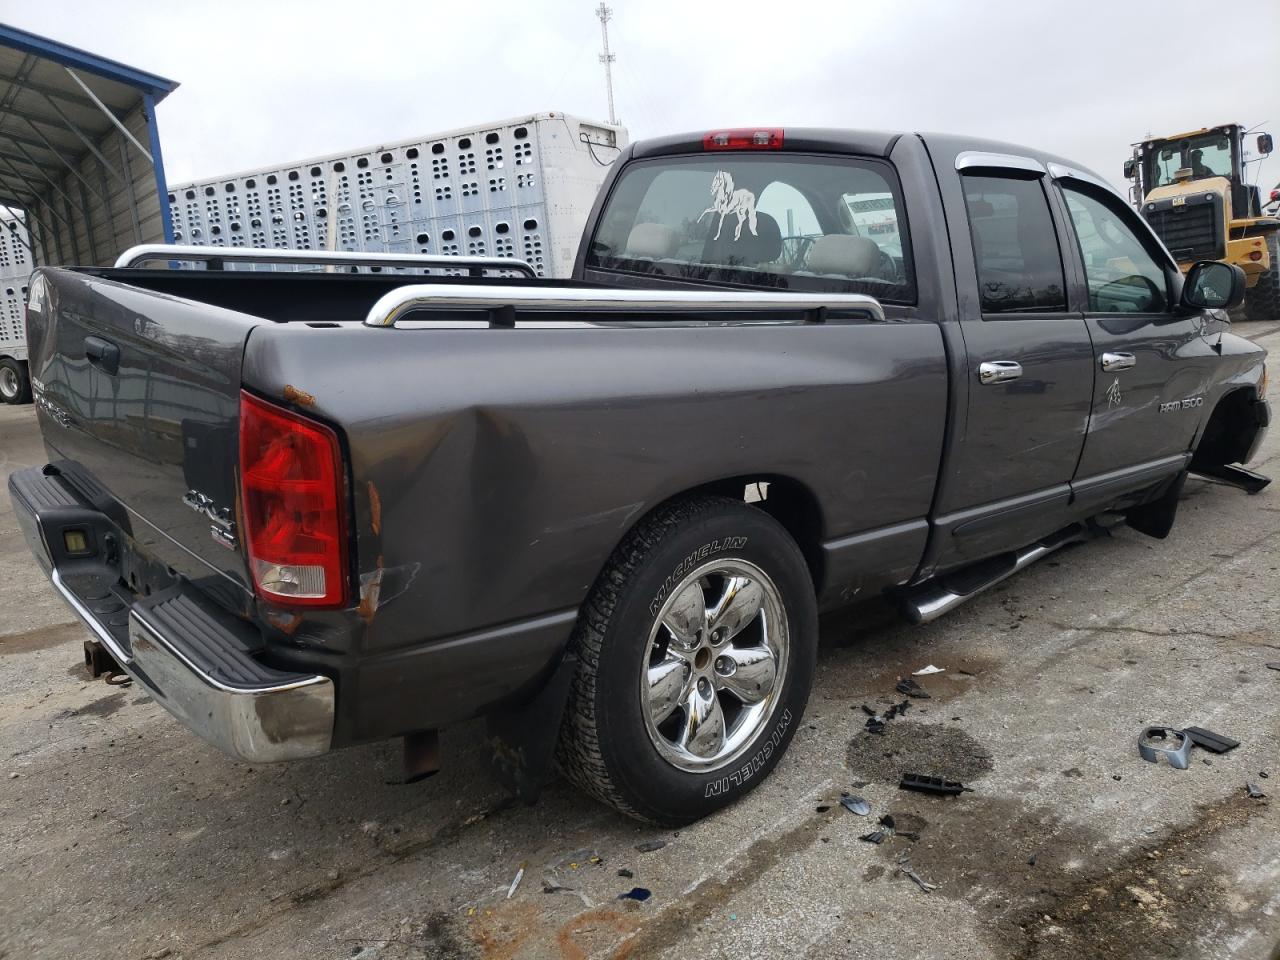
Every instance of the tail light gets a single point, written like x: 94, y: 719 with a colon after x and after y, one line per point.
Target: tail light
x: 743, y: 140
x: 293, y: 506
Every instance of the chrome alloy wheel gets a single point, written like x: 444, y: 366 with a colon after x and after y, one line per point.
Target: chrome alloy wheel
x: 8, y: 383
x: 714, y: 665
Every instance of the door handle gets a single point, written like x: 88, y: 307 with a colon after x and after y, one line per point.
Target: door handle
x: 999, y: 371
x: 1118, y: 361
x: 102, y: 353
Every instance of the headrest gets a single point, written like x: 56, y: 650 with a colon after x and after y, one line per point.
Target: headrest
x: 654, y: 240
x: 845, y: 254
x: 749, y: 250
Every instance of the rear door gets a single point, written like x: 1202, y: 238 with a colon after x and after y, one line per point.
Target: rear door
x: 1029, y: 364
x: 1152, y: 364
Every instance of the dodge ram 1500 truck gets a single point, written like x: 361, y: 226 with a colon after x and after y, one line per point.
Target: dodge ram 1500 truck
x: 794, y: 368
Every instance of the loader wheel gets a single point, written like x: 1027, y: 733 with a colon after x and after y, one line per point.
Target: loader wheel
x: 697, y: 647
x: 14, y: 386
x: 1262, y: 302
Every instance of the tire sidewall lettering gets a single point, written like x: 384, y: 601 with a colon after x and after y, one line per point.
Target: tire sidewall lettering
x: 693, y: 559
x: 755, y: 764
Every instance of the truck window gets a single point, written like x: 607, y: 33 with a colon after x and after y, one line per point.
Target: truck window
x: 792, y: 222
x: 1122, y: 275
x: 1015, y: 246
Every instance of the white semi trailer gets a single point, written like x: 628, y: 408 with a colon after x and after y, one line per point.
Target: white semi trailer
x: 15, y: 267
x: 518, y: 188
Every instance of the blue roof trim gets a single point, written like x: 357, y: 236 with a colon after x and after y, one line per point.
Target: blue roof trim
x: 156, y: 86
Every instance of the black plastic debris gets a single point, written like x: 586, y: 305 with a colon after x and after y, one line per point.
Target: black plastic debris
x: 868, y: 711
x: 639, y: 894
x: 821, y: 808
x: 887, y: 821
x: 1255, y: 791
x: 650, y: 845
x: 875, y: 725
x: 925, y: 784
x: 1215, y: 742
x: 908, y: 686
x: 1031, y: 860
x: 855, y: 804
x: 875, y: 836
x: 1263, y: 774
x: 624, y: 872
x: 1273, y: 666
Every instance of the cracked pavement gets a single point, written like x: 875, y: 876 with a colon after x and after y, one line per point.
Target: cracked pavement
x: 125, y: 836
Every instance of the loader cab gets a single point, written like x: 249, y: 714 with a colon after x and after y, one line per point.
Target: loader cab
x: 1173, y: 165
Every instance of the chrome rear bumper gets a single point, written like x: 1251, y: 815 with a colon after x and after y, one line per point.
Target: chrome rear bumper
x: 182, y: 655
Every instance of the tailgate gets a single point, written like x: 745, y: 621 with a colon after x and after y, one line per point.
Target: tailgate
x: 138, y: 398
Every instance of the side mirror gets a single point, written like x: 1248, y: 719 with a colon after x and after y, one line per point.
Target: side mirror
x: 1265, y: 143
x: 1213, y: 285
x: 1130, y: 168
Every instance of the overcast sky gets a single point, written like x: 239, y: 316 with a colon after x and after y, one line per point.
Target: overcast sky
x: 272, y: 81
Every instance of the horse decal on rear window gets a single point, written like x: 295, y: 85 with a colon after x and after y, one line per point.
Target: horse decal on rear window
x: 726, y: 200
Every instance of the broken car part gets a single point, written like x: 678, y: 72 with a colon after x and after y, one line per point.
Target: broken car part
x: 855, y: 804
x: 639, y: 894
x: 1254, y: 791
x: 927, y: 671
x: 1234, y: 476
x: 1173, y: 745
x: 925, y: 784
x: 912, y: 689
x: 875, y: 836
x: 904, y: 867
x: 1215, y: 742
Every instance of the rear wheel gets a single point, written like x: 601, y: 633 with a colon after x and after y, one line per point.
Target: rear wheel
x: 1262, y: 301
x: 14, y: 385
x: 697, y: 648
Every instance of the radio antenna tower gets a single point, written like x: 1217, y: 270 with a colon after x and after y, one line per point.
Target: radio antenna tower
x: 605, y: 14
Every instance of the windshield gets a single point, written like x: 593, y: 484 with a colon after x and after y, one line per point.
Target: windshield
x: 1208, y: 155
x: 792, y: 222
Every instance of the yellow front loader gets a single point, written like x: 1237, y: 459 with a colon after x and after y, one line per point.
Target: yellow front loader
x: 1192, y: 189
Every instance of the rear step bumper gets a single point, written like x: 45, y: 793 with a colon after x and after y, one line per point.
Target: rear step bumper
x: 193, y: 661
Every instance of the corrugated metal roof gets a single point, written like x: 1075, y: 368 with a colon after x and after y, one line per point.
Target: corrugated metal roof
x: 61, y: 111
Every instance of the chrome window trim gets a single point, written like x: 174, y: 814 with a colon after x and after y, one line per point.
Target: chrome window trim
x: 977, y: 159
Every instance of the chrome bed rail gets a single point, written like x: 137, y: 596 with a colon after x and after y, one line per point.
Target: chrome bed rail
x: 502, y: 301
x: 216, y: 256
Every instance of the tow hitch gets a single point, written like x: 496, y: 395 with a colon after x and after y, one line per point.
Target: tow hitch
x: 98, y: 660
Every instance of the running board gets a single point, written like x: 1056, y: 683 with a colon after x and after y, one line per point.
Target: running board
x: 1246, y: 480
x: 933, y: 598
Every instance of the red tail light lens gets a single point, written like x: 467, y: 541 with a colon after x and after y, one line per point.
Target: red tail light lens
x: 743, y: 140
x: 293, y: 504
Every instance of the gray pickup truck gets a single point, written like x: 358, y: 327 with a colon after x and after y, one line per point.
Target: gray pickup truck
x: 793, y: 369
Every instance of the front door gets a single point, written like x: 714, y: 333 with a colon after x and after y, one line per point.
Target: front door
x: 1029, y: 370
x: 1152, y: 364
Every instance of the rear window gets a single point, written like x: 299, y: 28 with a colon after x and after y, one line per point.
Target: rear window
x: 791, y: 222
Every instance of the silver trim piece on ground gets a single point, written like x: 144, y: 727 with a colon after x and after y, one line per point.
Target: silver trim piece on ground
x: 161, y: 251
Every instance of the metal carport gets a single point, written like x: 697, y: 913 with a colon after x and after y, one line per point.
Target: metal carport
x: 79, y: 150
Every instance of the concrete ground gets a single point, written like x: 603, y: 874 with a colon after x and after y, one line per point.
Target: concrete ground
x: 125, y: 836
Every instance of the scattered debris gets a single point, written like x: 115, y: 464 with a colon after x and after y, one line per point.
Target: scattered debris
x: 1255, y: 791
x: 511, y: 890
x: 1031, y: 860
x: 624, y: 872
x: 876, y: 836
x: 1215, y: 742
x: 549, y: 887
x: 1263, y: 774
x: 1273, y: 666
x: 926, y: 784
x: 904, y: 867
x: 912, y: 689
x: 855, y: 804
x: 868, y: 711
x: 822, y: 808
x: 930, y: 669
x: 897, y: 710
x: 887, y: 821
x: 639, y: 894
x: 875, y: 725
x: 1173, y: 745
x: 650, y: 845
